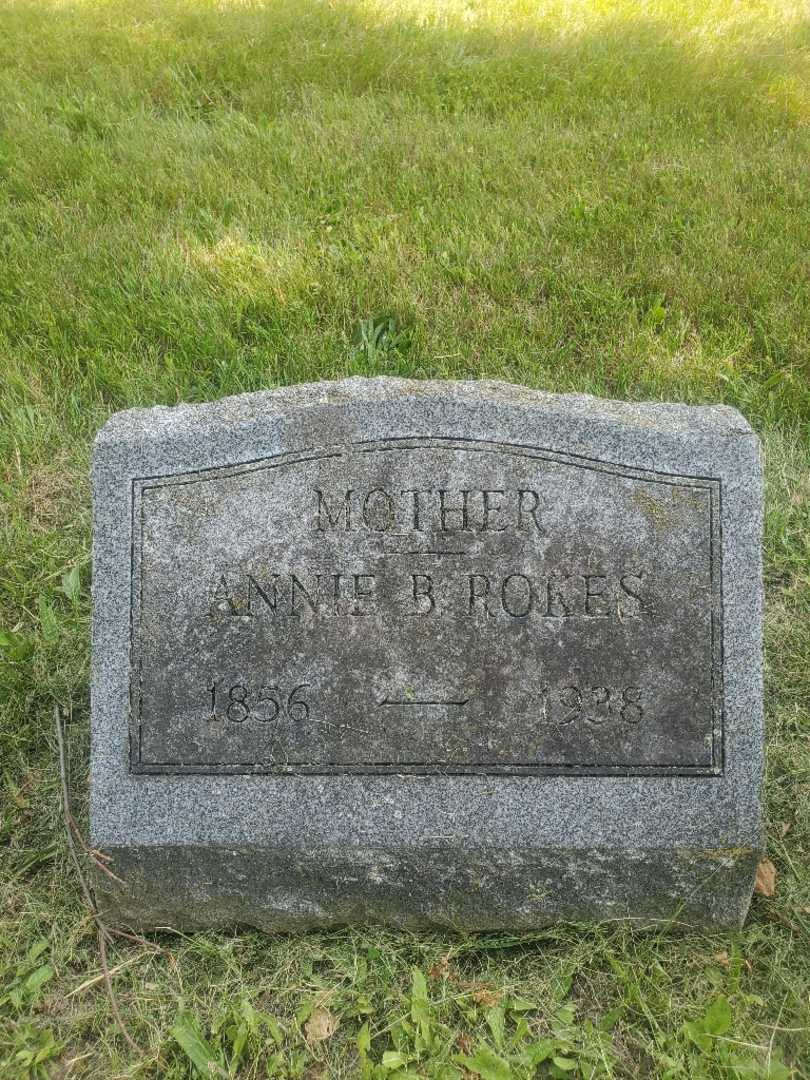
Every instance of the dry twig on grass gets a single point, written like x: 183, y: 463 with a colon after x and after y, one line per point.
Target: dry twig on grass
x: 73, y: 833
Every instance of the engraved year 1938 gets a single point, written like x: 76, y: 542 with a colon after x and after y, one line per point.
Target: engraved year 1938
x: 592, y: 704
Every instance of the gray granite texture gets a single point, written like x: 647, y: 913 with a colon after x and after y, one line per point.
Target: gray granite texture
x: 426, y: 653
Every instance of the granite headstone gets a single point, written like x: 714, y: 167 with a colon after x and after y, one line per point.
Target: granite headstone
x: 426, y: 653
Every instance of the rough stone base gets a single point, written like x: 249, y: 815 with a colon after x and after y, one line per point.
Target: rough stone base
x: 276, y: 889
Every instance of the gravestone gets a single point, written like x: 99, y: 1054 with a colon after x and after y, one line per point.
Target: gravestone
x: 426, y: 653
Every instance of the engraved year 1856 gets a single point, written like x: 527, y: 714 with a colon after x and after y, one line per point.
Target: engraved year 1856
x: 238, y: 701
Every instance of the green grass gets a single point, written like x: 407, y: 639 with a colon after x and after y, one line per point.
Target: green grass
x: 202, y: 198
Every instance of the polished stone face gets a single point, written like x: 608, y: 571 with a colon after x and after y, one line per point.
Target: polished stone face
x: 427, y: 605
x: 426, y: 653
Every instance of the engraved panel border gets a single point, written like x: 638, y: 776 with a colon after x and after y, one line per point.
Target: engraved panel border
x: 711, y: 485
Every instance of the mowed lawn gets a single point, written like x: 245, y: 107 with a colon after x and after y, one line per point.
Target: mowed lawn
x: 199, y: 199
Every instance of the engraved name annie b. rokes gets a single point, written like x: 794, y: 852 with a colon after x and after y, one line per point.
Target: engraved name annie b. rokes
x: 426, y: 605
